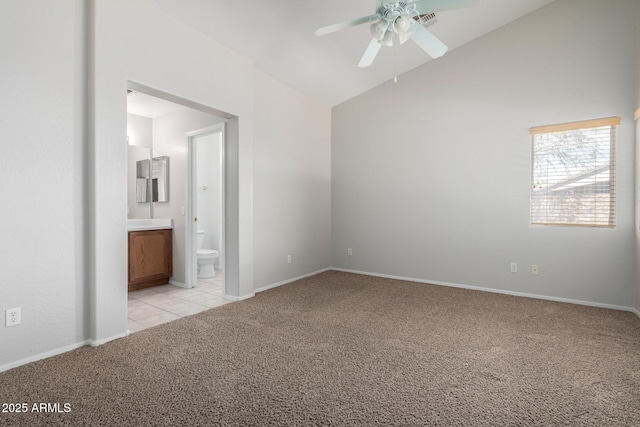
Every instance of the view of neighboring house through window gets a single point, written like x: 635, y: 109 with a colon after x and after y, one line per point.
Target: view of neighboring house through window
x: 573, y: 173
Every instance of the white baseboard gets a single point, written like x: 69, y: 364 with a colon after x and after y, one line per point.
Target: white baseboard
x: 240, y: 298
x: 97, y: 343
x: 180, y: 284
x: 284, y: 282
x: 496, y: 291
x: 635, y: 310
x: 44, y: 355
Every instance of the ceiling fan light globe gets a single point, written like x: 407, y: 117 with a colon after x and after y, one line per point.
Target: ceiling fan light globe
x: 387, y: 40
x: 402, y: 23
x: 378, y: 29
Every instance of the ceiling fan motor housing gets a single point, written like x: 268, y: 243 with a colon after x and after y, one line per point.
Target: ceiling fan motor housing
x: 396, y: 17
x: 391, y: 11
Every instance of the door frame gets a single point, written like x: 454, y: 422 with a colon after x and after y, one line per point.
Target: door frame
x: 191, y: 226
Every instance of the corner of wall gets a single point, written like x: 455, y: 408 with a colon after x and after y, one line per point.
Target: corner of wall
x: 637, y: 212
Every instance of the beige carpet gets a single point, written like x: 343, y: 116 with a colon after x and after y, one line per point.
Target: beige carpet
x: 346, y: 349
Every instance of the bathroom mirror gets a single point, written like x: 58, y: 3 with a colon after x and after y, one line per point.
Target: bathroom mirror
x: 142, y: 181
x: 152, y: 180
x: 160, y: 179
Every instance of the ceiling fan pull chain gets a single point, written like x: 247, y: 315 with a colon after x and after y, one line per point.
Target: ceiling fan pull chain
x: 395, y: 59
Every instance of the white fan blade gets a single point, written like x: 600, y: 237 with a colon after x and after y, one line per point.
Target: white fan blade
x: 403, y: 37
x: 430, y: 6
x: 370, y: 54
x: 427, y: 41
x: 341, y: 26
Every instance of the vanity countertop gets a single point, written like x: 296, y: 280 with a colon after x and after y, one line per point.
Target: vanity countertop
x: 149, y: 224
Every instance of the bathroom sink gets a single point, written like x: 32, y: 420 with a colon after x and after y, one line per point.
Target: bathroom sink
x: 149, y: 224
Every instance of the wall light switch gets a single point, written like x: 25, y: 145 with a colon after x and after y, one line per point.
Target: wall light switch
x: 514, y: 267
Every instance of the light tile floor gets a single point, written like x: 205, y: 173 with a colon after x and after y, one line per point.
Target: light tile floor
x: 160, y: 304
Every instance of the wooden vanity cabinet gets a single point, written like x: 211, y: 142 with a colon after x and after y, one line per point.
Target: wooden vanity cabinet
x: 150, y: 258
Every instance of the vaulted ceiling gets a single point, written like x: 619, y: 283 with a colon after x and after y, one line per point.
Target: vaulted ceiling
x: 278, y: 35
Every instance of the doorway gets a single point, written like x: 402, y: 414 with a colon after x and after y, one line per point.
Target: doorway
x: 172, y: 124
x: 205, y: 229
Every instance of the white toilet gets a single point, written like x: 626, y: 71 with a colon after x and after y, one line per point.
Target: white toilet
x: 206, y: 258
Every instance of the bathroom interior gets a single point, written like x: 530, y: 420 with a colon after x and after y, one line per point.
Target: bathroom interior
x: 157, y: 190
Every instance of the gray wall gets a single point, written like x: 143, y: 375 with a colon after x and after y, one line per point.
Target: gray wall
x: 431, y: 176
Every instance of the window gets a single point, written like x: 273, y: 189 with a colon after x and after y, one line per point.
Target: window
x: 573, y: 173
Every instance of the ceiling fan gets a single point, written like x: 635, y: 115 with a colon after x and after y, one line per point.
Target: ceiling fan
x: 406, y: 20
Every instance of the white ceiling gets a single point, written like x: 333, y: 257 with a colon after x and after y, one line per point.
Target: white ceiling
x: 278, y: 35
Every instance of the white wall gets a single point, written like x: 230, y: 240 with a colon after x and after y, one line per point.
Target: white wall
x: 136, y: 42
x: 63, y: 164
x: 637, y: 218
x: 637, y: 170
x: 43, y: 172
x: 292, y: 183
x: 139, y: 130
x: 139, y: 135
x: 431, y: 175
x: 170, y: 139
x: 209, y: 192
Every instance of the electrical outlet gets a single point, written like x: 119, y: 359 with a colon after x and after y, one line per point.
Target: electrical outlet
x: 514, y: 267
x: 12, y: 317
x: 349, y: 252
x: 289, y: 259
x: 535, y: 270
